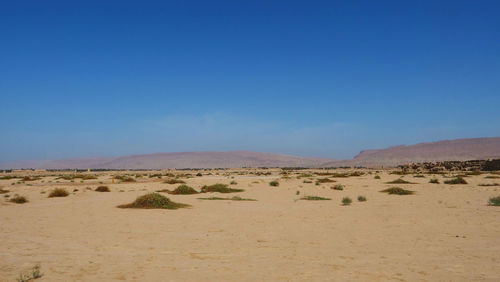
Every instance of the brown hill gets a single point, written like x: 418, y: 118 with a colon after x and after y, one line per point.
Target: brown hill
x: 230, y: 159
x: 448, y: 150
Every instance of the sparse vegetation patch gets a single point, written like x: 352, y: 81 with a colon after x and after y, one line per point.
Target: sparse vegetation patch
x: 494, y: 201
x: 58, y: 192
x: 183, y: 190
x: 314, y: 198
x: 220, y: 188
x: 153, y: 201
x: 397, y: 191
x: 18, y: 199
x: 399, y: 181
x: 456, y: 180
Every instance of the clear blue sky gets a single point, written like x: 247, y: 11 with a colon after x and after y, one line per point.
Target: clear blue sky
x: 309, y: 78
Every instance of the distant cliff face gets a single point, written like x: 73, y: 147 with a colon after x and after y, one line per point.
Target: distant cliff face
x: 449, y: 150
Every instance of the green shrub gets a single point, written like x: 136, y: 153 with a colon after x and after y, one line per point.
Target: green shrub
x: 488, y: 184
x: 346, y: 201
x: 494, y: 201
x: 32, y: 275
x: 361, y: 199
x: 325, y: 180
x: 399, y: 181
x: 183, y: 190
x: 377, y: 177
x: 221, y: 188
x: 338, y: 187
x: 314, y: 198
x: 2, y: 191
x: 274, y: 183
x: 397, y: 191
x: 58, y: 192
x: 233, y: 182
x: 174, y: 181
x: 235, y: 198
x: 434, y: 181
x: 153, y: 201
x: 456, y: 180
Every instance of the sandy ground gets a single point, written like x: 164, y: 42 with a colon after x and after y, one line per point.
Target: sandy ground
x: 441, y: 233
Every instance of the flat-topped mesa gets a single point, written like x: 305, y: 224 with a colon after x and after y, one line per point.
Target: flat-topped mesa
x: 473, y: 165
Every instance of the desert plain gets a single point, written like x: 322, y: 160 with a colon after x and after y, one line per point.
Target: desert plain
x: 441, y: 232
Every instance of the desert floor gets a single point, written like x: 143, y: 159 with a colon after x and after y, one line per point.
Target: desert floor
x: 441, y: 233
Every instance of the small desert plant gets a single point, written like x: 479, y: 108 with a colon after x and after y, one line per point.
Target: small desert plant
x: 346, y: 201
x: 221, y: 188
x: 297, y: 193
x: 174, y: 181
x: 2, y: 191
x: 489, y: 184
x: 361, y: 199
x: 324, y: 180
x: 183, y: 190
x: 494, y: 201
x: 153, y: 201
x: 18, y: 199
x: 399, y: 181
x: 233, y: 182
x: 235, y: 198
x: 314, y: 198
x: 199, y: 174
x: 102, y: 189
x: 456, y: 180
x: 434, y: 181
x: 377, y: 177
x: 307, y: 181
x: 397, y: 191
x: 419, y: 175
x: 492, y: 177
x: 338, y: 187
x: 58, y: 192
x: 274, y: 183
x: 32, y: 275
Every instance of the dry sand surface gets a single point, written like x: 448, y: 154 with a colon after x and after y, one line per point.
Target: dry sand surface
x: 441, y: 233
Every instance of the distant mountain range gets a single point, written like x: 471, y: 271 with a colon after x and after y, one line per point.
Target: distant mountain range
x: 447, y: 150
x: 459, y: 149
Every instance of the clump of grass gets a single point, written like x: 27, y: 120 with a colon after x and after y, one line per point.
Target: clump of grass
x: 174, y: 181
x: 102, y: 189
x: 434, y: 181
x: 325, y: 180
x: 221, y: 188
x: 314, y: 198
x: 456, y: 180
x: 2, y: 191
x: 419, y: 176
x: 346, y: 201
x: 153, y: 201
x: 338, y: 187
x: 307, y: 181
x: 377, y: 177
x: 494, y: 201
x: 58, y: 192
x: 274, y: 183
x: 492, y: 177
x: 361, y: 199
x: 28, y: 178
x: 397, y: 191
x: 183, y: 190
x: 33, y: 274
x: 399, y: 181
x: 18, y: 199
x: 297, y: 193
x: 233, y: 182
x: 488, y: 184
x: 235, y: 198
x: 199, y: 174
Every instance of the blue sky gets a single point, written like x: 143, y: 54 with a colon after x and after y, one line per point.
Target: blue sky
x: 308, y: 78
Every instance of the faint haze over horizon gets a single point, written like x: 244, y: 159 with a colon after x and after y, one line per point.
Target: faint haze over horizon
x: 316, y: 78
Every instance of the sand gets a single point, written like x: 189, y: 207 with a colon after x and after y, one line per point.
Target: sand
x: 441, y: 233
